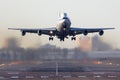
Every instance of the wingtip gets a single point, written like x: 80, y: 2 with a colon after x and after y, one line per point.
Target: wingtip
x: 12, y: 29
x: 9, y: 28
x: 112, y: 28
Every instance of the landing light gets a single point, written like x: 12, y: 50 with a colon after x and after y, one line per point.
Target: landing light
x: 64, y: 29
x: 51, y: 32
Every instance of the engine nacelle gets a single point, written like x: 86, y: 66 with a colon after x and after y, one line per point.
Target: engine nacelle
x: 101, y: 32
x: 39, y: 32
x: 23, y: 33
x: 85, y: 32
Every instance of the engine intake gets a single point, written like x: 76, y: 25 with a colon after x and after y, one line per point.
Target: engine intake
x: 23, y: 33
x: 101, y: 32
x: 39, y: 32
x: 85, y: 32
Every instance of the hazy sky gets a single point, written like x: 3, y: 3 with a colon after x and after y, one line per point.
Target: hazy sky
x: 44, y: 13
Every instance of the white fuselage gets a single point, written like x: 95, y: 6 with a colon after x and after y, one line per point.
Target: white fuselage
x: 63, y: 25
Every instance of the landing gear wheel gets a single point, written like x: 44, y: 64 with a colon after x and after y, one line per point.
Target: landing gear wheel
x: 62, y: 39
x: 50, y: 38
x: 73, y: 38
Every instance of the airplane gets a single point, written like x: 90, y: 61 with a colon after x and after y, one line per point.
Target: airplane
x: 62, y: 30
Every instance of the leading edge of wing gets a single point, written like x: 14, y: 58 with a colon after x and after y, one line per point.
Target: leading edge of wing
x: 91, y: 28
x: 32, y: 28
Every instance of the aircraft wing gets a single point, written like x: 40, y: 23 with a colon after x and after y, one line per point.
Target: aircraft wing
x: 85, y: 31
x: 39, y: 31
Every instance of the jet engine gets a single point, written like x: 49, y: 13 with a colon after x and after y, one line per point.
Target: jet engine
x: 85, y: 32
x: 23, y: 33
x: 39, y: 32
x: 101, y: 32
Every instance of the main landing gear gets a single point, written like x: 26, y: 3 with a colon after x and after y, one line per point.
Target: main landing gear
x: 73, y: 38
x: 50, y: 38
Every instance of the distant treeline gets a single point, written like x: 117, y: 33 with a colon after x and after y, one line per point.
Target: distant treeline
x: 40, y: 53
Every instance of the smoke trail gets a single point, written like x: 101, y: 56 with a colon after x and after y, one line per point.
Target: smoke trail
x: 99, y: 45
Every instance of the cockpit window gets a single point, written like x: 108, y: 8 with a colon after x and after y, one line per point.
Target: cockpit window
x: 65, y: 18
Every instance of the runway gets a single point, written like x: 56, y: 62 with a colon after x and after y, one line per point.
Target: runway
x: 58, y: 70
x: 62, y: 75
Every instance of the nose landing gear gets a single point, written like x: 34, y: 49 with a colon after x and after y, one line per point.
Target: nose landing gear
x: 62, y: 39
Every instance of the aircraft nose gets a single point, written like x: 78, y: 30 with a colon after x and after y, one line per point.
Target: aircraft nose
x: 64, y: 22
